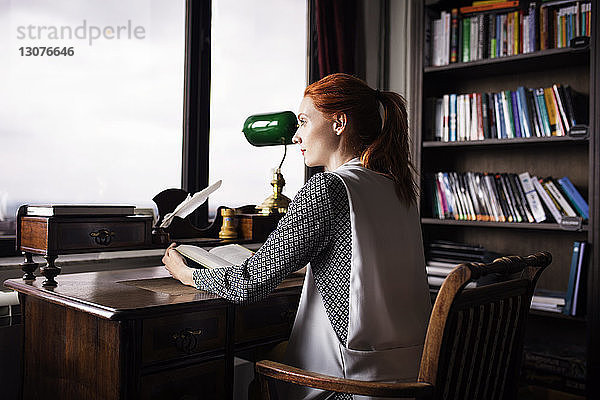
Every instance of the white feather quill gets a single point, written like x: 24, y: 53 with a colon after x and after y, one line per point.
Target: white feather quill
x: 187, y: 206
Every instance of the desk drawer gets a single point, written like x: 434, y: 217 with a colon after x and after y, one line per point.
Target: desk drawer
x: 202, y: 381
x: 101, y: 235
x: 271, y: 318
x: 182, y: 335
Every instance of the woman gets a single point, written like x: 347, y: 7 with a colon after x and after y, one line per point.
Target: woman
x: 365, y: 302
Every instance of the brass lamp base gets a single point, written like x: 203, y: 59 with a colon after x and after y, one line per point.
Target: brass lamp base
x: 277, y: 203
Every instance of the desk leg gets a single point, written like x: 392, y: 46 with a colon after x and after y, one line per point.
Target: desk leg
x: 50, y: 271
x: 29, y: 266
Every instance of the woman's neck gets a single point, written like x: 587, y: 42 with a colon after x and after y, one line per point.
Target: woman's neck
x: 338, y: 159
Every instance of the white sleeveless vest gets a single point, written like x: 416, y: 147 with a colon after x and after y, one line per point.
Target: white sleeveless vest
x: 389, y: 296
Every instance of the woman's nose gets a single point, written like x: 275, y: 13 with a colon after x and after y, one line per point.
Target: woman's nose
x: 296, y: 139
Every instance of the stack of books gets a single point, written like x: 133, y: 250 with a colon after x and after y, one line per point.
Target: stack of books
x: 526, y: 112
x: 442, y: 256
x: 498, y: 28
x: 575, y: 296
x: 572, y: 302
x: 548, y: 301
x: 504, y: 197
x: 562, y: 368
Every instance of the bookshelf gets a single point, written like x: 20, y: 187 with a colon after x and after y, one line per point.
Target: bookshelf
x: 557, y: 156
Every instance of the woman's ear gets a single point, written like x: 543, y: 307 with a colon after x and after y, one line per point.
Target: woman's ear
x: 339, y: 123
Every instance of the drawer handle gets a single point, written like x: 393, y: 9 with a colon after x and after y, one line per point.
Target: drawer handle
x: 186, y: 340
x: 102, y: 237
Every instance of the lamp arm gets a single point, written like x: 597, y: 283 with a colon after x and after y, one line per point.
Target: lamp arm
x: 284, y: 154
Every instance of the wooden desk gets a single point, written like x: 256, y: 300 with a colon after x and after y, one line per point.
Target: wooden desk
x: 133, y: 334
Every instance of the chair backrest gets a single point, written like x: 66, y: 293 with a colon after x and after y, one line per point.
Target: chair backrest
x: 474, y: 342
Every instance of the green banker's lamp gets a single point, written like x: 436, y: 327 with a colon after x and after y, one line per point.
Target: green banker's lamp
x: 271, y: 130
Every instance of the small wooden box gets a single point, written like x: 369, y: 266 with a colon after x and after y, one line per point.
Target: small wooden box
x: 58, y: 235
x: 67, y: 235
x: 257, y: 226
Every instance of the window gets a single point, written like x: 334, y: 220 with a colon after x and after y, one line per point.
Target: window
x: 258, y: 65
x: 103, y: 125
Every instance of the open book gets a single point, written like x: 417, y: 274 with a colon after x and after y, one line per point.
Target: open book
x: 222, y: 256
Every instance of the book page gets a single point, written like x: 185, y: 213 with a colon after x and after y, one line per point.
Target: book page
x: 202, y: 256
x: 234, y: 253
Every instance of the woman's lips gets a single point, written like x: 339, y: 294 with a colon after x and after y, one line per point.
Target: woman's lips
x: 302, y: 151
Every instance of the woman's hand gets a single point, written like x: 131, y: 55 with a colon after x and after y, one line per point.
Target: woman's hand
x: 175, y: 264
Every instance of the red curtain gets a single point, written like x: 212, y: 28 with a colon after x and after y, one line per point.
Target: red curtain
x: 336, y: 27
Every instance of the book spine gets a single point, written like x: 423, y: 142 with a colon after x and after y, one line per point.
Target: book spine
x: 450, y: 194
x: 485, y: 118
x: 510, y: 197
x: 474, y: 134
x: 446, y: 117
x: 502, y: 198
x: 493, y: 194
x: 578, y: 279
x: 572, y: 275
x: 492, y: 36
x: 535, y: 118
x: 524, y: 112
x: 539, y: 94
x: 515, y: 114
x: 454, y: 36
x: 500, y: 114
x: 547, y: 200
x: 452, y: 117
x: 492, y: 116
x: 532, y: 197
x: 575, y: 197
x: 484, y: 197
x: 506, y: 109
x: 516, y: 32
x: 439, y: 183
x: 481, y: 22
x: 518, y: 189
x: 473, y: 39
x: 560, y: 111
x: 564, y: 204
x: 466, y: 34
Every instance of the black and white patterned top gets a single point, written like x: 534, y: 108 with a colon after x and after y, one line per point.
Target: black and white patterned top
x: 315, y: 229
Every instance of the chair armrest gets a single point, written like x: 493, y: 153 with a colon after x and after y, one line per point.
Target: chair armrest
x: 315, y: 380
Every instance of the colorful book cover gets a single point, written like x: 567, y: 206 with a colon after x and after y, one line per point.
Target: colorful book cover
x: 515, y: 114
x: 524, y: 114
x: 552, y: 112
x: 454, y: 36
x: 575, y: 197
x: 541, y: 102
x: 572, y: 276
x: 466, y: 35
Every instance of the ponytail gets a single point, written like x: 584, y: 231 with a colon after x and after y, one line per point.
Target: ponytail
x: 381, y: 140
x: 389, y: 153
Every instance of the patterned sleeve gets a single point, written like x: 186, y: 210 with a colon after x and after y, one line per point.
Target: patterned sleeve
x: 302, y: 233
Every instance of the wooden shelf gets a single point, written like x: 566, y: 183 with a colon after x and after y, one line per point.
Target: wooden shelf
x: 509, y: 225
x: 558, y: 58
x: 561, y: 316
x: 507, y: 142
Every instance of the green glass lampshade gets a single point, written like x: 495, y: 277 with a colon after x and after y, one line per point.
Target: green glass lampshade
x: 270, y: 129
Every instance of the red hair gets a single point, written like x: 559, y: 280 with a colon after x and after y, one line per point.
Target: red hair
x: 383, y: 145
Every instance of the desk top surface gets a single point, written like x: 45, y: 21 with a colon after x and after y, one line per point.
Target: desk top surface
x: 129, y: 293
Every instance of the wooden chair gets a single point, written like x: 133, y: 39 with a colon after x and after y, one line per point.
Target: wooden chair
x: 474, y: 341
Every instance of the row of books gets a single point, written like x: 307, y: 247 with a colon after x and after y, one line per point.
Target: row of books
x: 560, y: 367
x: 442, y: 256
x: 504, y: 197
x: 525, y: 112
x: 572, y: 301
x: 504, y: 28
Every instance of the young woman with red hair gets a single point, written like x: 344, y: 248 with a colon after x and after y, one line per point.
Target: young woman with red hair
x: 365, y: 301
